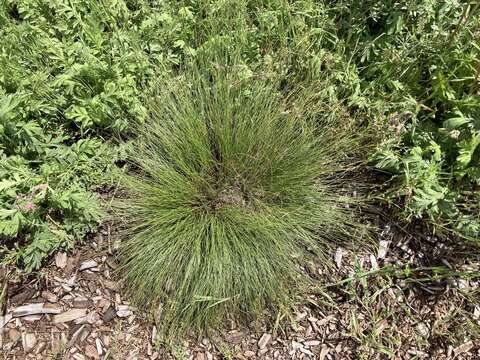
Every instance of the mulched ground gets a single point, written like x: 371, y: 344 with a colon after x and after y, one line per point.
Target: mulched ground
x: 366, y: 317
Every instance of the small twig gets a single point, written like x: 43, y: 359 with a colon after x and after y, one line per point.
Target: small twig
x: 476, y: 79
x: 3, y: 297
x: 462, y: 20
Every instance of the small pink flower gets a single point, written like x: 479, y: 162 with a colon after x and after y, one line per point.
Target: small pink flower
x: 29, y: 206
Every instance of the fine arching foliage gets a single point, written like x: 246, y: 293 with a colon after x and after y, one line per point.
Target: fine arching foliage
x: 234, y: 185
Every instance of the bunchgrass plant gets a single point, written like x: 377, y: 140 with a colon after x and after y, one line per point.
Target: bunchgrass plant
x: 233, y: 187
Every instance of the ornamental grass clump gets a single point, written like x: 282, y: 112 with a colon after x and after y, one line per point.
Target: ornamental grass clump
x: 233, y: 187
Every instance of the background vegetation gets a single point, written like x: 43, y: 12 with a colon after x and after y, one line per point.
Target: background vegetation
x: 419, y: 63
x: 73, y: 76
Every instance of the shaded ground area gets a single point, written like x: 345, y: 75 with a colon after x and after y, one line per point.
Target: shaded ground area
x: 371, y: 310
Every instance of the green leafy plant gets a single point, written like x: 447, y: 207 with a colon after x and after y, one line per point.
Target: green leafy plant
x: 418, y: 62
x: 234, y: 186
x: 69, y: 76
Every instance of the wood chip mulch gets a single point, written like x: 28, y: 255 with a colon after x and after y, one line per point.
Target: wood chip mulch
x: 75, y: 310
